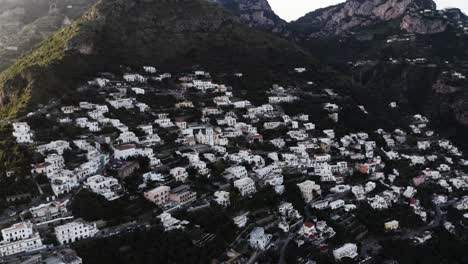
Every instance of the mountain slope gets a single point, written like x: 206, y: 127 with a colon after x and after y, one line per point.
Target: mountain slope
x: 168, y: 34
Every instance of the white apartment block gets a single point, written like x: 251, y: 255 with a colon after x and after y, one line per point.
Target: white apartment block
x: 22, y: 132
x: 18, y: 238
x: 55, y: 163
x: 63, y: 182
x: 246, y: 186
x: 159, y: 195
x: 347, y: 250
x: 59, y: 146
x: 105, y: 186
x: 128, y: 137
x: 124, y: 151
x: 222, y: 198
x: 179, y: 174
x: 308, y: 190
x: 238, y: 172
x: 74, y: 231
x: 259, y: 239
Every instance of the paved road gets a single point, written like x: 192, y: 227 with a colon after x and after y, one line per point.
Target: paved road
x: 283, y: 249
x: 291, y: 235
x: 253, y: 258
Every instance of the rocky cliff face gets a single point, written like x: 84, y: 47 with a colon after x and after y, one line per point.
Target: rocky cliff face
x: 451, y: 94
x: 417, y: 24
x: 255, y: 13
x: 342, y: 19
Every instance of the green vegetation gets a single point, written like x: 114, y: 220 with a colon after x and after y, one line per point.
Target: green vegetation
x: 19, y: 79
x: 93, y: 207
x: 147, y: 246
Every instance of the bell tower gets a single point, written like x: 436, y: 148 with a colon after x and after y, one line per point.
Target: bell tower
x: 53, y: 6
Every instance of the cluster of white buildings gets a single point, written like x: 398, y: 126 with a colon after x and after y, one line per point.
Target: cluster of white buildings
x: 328, y: 161
x: 62, y: 179
x: 108, y: 187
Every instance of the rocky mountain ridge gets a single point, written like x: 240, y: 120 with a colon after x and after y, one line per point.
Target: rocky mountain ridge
x: 413, y: 16
x: 255, y: 13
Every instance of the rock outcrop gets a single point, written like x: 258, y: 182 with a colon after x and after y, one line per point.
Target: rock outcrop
x: 418, y: 24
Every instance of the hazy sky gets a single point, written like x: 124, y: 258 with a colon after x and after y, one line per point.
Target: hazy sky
x: 293, y: 9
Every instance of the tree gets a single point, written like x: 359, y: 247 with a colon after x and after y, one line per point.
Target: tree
x: 293, y: 194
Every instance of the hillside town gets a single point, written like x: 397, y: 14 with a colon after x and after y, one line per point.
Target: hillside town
x: 287, y: 171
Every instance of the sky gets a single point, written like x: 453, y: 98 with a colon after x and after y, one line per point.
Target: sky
x: 293, y: 9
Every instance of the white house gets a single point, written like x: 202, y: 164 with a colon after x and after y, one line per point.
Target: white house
x: 68, y: 109
x: 158, y: 195
x: 149, y: 69
x: 59, y: 146
x: 74, y: 231
x: 170, y: 223
x: 271, y: 125
x: 164, y: 122
x: 126, y: 103
x: 203, y: 85
x: 129, y: 77
x: 336, y: 204
x: 222, y: 198
x: 106, y: 186
x: 125, y: 151
x: 241, y: 220
x: 242, y: 104
x: 93, y: 126
x: 63, y: 182
x: 22, y: 132
x: 179, y: 174
x: 246, y: 186
x: 81, y: 122
x: 237, y: 172
x: 128, y: 137
x: 392, y: 225
x: 49, y: 212
x: 309, y: 189
x: 270, y: 169
x: 137, y: 90
x: 424, y: 145
x: 259, y: 240
x: 348, y: 250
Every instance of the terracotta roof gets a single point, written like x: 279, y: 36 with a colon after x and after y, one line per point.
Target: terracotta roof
x: 125, y: 147
x: 41, y: 165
